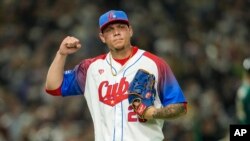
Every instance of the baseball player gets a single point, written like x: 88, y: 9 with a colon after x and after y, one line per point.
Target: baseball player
x: 243, y: 96
x: 105, y: 81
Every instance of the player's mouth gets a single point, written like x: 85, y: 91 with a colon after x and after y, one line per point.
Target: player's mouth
x: 118, y: 41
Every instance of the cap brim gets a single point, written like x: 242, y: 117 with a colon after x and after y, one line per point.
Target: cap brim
x: 113, y: 21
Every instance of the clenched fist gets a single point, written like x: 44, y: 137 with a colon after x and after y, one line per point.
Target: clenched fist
x: 69, y: 45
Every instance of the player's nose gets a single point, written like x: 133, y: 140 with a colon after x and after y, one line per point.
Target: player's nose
x: 116, y: 31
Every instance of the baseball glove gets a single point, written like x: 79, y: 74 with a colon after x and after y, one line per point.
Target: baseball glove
x: 142, y: 92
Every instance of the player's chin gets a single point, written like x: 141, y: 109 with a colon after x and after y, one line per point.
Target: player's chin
x: 119, y: 47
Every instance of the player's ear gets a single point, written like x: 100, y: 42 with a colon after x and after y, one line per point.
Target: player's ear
x: 131, y: 30
x: 102, y: 37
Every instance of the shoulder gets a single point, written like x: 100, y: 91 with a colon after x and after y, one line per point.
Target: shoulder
x: 152, y: 56
x: 156, y: 59
x: 85, y: 64
x: 161, y: 64
x: 89, y: 61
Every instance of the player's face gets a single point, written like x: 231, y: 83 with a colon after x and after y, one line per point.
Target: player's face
x: 117, y: 36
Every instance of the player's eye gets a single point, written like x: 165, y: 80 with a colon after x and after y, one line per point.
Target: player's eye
x: 121, y: 26
x: 108, y: 30
x: 111, y: 29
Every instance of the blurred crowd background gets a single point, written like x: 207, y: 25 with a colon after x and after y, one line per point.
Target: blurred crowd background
x: 204, y: 41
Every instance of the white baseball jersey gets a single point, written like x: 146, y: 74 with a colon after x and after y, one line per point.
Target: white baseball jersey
x: 107, y: 99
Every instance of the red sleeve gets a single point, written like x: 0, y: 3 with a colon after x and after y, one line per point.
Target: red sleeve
x: 55, y: 92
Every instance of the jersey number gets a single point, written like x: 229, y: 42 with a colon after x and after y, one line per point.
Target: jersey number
x: 132, y: 116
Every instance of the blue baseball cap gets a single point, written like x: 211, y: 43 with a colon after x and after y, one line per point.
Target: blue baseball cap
x: 111, y: 17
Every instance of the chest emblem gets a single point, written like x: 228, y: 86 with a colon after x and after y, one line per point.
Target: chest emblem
x: 101, y: 71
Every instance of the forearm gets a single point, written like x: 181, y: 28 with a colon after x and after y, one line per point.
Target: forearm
x: 170, y: 112
x: 55, y: 73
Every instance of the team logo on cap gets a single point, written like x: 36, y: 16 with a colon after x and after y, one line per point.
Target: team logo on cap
x: 111, y: 16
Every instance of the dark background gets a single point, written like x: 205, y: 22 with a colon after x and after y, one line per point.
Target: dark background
x: 204, y: 41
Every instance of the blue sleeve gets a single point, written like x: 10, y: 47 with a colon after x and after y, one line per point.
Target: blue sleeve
x: 70, y: 85
x: 168, y: 87
x: 75, y: 80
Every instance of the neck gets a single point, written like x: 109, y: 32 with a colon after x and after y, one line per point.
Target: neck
x: 121, y: 53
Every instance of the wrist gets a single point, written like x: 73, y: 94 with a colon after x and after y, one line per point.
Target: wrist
x: 149, y: 114
x: 61, y: 53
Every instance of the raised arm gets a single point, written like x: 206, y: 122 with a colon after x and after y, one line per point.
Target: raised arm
x: 54, y: 78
